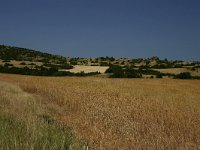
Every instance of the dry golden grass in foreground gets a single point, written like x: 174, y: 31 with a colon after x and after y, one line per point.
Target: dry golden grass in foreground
x: 25, y: 124
x: 122, y: 113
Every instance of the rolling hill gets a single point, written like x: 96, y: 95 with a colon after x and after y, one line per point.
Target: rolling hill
x: 24, y: 54
x: 32, y: 62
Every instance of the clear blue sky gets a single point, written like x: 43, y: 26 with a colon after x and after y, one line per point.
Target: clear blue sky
x: 90, y: 28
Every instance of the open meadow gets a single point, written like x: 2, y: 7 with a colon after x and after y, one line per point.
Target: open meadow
x: 87, y: 69
x: 104, y: 113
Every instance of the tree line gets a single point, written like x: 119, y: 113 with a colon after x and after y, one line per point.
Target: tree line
x: 41, y: 71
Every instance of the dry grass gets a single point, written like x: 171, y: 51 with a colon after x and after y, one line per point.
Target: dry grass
x: 87, y: 69
x: 26, y: 124
x: 122, y: 113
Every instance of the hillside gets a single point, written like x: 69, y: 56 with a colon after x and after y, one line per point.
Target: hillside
x: 31, y: 62
x: 24, y: 54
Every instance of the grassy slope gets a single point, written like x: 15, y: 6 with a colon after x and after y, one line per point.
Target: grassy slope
x: 121, y: 113
x: 25, y: 124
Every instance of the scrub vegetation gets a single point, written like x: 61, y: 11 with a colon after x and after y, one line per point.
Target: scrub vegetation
x: 24, y: 61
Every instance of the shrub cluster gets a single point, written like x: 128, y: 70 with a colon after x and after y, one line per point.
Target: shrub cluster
x: 59, y: 66
x: 186, y: 75
x: 117, y: 71
x: 42, y: 71
x: 183, y: 75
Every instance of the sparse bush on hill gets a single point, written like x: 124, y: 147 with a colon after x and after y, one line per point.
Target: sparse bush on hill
x: 107, y: 58
x: 143, y: 66
x: 73, y: 61
x: 23, y: 54
x: 111, y: 58
x: 59, y: 66
x: 162, y: 66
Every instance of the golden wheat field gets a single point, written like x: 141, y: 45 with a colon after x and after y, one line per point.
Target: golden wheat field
x: 120, y: 113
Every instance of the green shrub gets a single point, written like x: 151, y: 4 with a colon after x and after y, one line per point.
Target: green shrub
x: 42, y: 71
x: 117, y: 71
x: 159, y: 76
x: 8, y: 65
x: 183, y: 75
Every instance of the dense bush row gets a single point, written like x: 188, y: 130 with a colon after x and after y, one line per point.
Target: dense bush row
x: 117, y: 71
x: 59, y: 66
x: 42, y: 71
x: 185, y: 75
